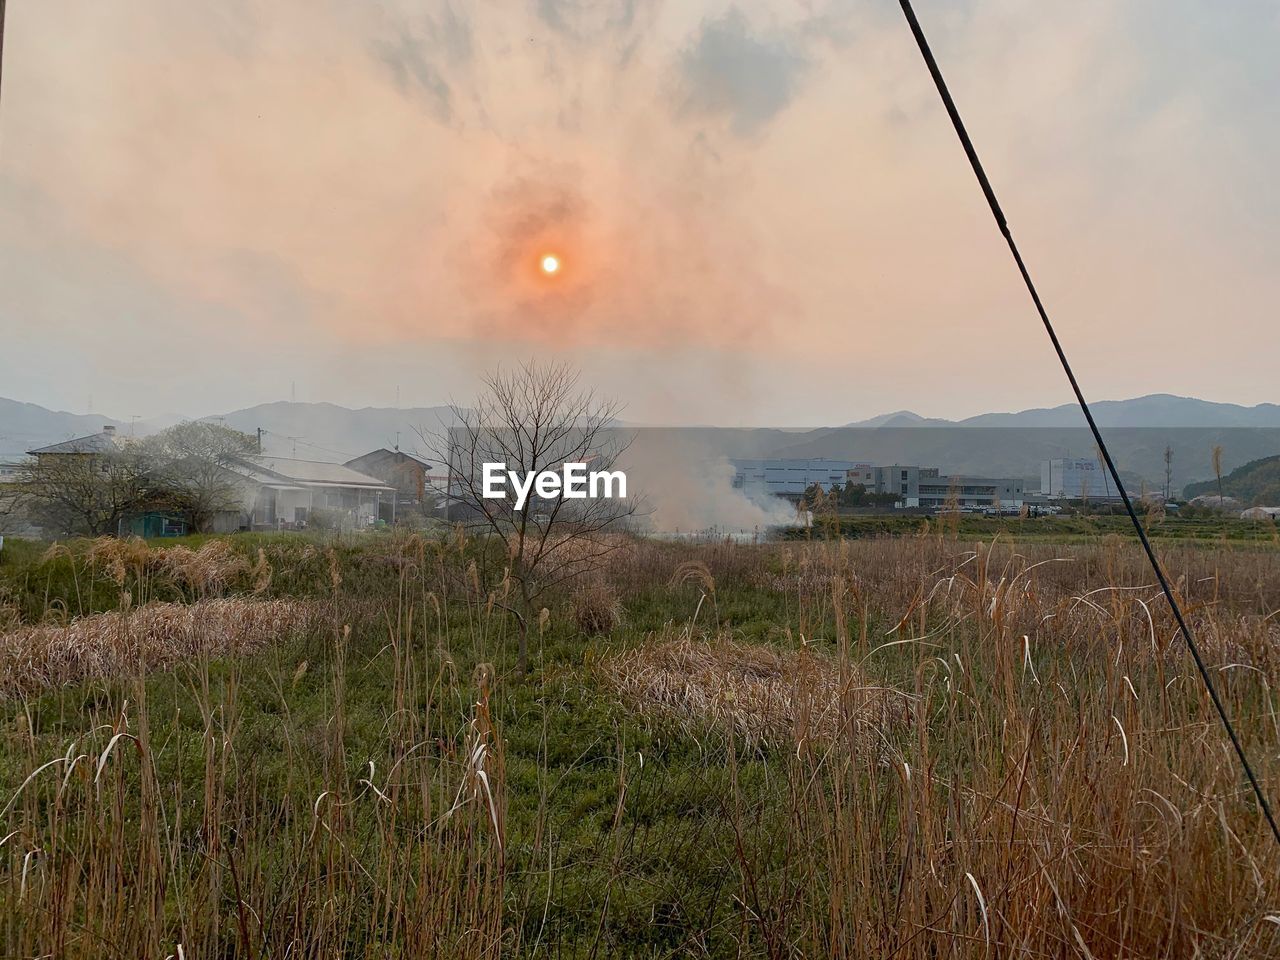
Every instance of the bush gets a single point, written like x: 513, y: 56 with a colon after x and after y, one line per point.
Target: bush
x: 596, y: 608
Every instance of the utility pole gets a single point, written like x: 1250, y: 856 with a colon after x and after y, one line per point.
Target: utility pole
x: 259, y: 429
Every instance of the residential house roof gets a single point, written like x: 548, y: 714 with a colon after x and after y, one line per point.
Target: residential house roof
x: 383, y: 453
x: 285, y: 472
x: 105, y: 441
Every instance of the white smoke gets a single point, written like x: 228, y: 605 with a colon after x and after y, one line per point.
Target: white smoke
x: 685, y: 489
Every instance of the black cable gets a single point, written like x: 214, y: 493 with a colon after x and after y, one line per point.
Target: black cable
x: 974, y: 162
x: 1, y: 39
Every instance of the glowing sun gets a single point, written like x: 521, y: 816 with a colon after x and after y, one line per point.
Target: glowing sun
x: 550, y: 264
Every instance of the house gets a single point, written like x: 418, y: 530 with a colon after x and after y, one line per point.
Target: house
x: 417, y: 487
x: 104, y: 441
x: 283, y: 493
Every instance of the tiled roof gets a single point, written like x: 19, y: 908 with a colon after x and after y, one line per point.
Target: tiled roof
x: 399, y: 455
x: 310, y: 473
x: 102, y: 442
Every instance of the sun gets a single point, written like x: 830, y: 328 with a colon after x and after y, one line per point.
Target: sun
x: 550, y: 264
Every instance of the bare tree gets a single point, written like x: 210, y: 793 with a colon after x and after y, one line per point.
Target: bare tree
x: 537, y: 418
x: 194, y: 463
x: 1217, y: 472
x: 10, y: 512
x: 85, y: 493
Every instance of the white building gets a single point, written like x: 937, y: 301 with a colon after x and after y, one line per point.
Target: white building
x: 282, y: 492
x: 758, y: 478
x: 1076, y: 478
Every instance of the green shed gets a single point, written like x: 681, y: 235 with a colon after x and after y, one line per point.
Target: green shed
x: 149, y: 525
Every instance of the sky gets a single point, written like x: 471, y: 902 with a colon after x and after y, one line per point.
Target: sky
x: 760, y: 211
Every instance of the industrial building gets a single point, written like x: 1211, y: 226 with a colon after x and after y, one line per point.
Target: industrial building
x: 1076, y: 478
x: 791, y: 478
x: 915, y: 486
x: 981, y: 492
x: 929, y: 487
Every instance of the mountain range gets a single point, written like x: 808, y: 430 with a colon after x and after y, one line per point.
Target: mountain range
x: 1153, y: 410
x: 993, y: 444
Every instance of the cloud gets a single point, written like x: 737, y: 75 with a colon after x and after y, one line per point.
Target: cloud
x: 756, y: 203
x: 412, y: 71
x: 730, y: 72
x: 619, y: 24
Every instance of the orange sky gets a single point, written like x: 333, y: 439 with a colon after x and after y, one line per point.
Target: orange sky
x: 760, y: 210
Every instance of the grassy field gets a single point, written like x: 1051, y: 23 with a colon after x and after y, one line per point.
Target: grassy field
x: 923, y: 746
x: 1082, y: 529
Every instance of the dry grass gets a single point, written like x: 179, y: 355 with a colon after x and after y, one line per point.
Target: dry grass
x: 122, y: 643
x: 956, y: 750
x: 760, y: 694
x: 234, y: 829
x: 596, y: 608
x: 1063, y: 788
x: 208, y: 571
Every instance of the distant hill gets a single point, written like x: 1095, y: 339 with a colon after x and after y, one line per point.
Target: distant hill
x: 24, y: 426
x: 901, y: 418
x: 315, y: 431
x: 326, y: 431
x: 1257, y: 483
x: 1155, y: 410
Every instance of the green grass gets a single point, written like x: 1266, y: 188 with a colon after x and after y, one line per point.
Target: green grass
x: 562, y: 736
x: 1044, y: 529
x: 667, y: 878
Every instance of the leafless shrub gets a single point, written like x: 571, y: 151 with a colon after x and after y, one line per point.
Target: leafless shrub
x: 596, y: 607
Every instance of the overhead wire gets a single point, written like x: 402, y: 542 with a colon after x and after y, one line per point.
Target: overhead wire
x: 996, y: 211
